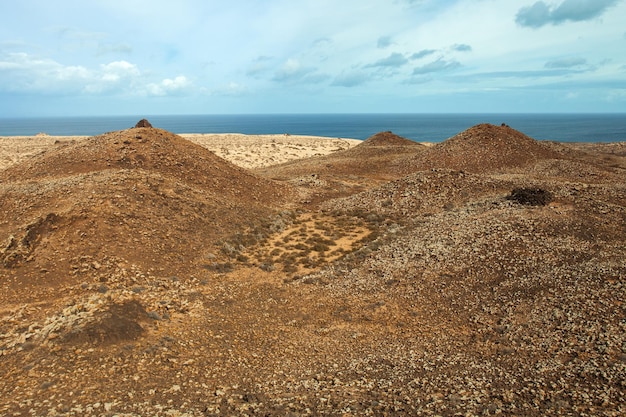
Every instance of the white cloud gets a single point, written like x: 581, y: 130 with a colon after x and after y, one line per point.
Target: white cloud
x: 231, y: 89
x: 20, y: 72
x: 24, y: 72
x: 291, y: 70
x: 322, y: 42
x: 169, y: 86
x: 439, y: 65
x: 112, y: 77
x: 384, y: 42
x: 119, y: 69
x: 394, y: 60
x: 566, y: 63
x: 294, y: 72
x: 423, y: 53
x: 461, y: 47
x: 540, y: 13
x: 259, y: 66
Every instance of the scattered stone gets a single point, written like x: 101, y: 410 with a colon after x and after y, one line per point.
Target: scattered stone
x: 421, y: 294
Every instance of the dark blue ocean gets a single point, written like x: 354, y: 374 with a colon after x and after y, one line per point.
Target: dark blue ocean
x: 417, y: 127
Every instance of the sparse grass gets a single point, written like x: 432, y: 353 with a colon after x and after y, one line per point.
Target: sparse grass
x: 297, y: 243
x: 311, y: 241
x: 320, y: 247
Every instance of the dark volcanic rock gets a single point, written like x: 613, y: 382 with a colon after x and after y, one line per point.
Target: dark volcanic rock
x: 143, y: 123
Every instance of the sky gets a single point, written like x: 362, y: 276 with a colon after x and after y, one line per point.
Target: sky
x: 127, y: 57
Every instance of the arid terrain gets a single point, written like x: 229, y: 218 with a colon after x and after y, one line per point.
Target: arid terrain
x: 144, y: 273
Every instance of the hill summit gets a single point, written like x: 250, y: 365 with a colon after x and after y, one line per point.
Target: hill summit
x: 387, y: 138
x: 482, y: 148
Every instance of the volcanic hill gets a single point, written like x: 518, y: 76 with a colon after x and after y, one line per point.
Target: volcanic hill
x: 482, y: 148
x: 143, y: 195
x: 387, y: 139
x: 374, y: 161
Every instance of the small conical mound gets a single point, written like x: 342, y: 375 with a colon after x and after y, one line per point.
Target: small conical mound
x: 387, y: 138
x: 482, y: 148
x: 370, y: 158
x: 383, y: 143
x: 372, y: 161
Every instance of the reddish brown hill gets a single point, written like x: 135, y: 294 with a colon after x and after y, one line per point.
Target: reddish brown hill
x: 145, y: 149
x: 345, y: 172
x: 482, y: 148
x: 379, y: 151
x: 387, y: 138
x: 143, y: 195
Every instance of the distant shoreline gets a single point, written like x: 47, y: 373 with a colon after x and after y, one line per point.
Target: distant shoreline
x: 417, y: 127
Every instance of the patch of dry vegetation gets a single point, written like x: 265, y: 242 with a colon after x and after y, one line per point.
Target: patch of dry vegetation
x: 305, y: 243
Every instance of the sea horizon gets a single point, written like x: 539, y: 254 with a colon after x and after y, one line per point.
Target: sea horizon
x: 419, y: 127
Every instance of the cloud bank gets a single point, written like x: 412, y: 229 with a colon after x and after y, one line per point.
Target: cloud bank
x: 566, y: 63
x: 541, y: 14
x: 24, y: 72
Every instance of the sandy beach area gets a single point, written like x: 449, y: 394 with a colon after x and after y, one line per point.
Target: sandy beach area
x: 247, y: 151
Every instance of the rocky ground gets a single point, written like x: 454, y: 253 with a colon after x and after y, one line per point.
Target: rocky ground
x: 144, y: 275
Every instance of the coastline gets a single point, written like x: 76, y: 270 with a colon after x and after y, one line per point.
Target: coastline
x: 426, y: 127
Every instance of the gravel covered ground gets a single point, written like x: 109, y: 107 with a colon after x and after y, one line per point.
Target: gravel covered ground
x: 146, y: 282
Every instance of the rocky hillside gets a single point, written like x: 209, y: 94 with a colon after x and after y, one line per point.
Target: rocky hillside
x: 373, y: 157
x: 482, y: 148
x: 142, y: 195
x: 143, y: 275
x: 374, y: 161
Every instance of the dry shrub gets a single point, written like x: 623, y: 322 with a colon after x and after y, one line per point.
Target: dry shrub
x: 530, y: 196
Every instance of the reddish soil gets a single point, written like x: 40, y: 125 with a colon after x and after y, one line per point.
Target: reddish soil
x: 482, y: 148
x: 143, y: 275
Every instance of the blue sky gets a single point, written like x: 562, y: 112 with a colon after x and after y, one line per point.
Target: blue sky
x: 110, y: 57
